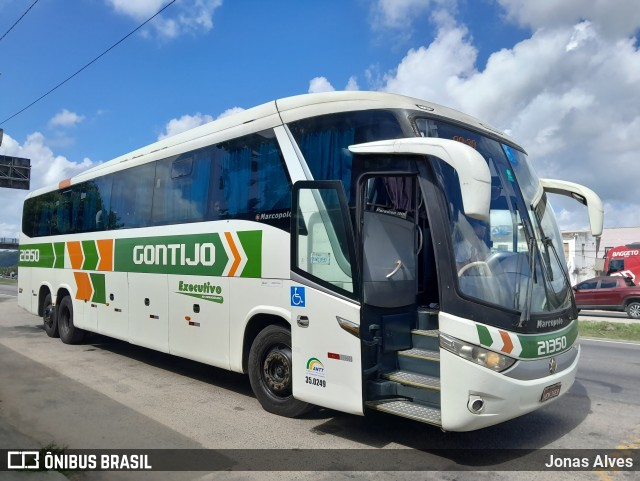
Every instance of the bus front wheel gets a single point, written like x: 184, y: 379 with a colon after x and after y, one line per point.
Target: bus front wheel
x: 49, y: 317
x: 69, y: 334
x: 271, y: 371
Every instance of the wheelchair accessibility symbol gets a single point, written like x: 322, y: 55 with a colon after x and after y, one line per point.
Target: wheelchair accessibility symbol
x: 297, y: 296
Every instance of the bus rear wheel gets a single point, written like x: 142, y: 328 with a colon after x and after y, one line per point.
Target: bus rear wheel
x: 69, y: 334
x: 49, y: 317
x: 271, y: 372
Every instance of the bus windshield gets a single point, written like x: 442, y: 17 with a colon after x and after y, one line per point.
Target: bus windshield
x: 515, y: 260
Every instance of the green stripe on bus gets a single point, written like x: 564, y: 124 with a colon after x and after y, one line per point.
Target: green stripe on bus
x: 484, y: 335
x: 198, y: 254
x: 58, y: 248
x: 90, y: 255
x: 252, y: 244
x: 99, y: 289
x: 544, y: 345
x: 36, y: 255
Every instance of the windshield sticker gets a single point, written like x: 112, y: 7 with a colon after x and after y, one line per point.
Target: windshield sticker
x: 321, y: 258
x: 510, y: 176
x: 510, y: 155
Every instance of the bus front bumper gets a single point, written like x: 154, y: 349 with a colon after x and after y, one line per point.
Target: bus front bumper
x: 467, y: 386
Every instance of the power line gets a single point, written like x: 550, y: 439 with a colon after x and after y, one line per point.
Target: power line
x: 17, y: 21
x: 92, y: 62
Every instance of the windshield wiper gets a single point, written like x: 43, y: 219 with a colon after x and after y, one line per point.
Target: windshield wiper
x: 537, y: 212
x: 549, y: 243
x: 526, y: 309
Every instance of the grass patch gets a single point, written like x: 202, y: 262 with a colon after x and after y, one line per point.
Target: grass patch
x: 4, y: 280
x: 610, y: 330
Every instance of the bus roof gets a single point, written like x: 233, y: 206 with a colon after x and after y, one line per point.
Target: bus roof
x: 275, y: 113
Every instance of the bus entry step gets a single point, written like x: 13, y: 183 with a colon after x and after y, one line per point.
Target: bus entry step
x: 407, y: 409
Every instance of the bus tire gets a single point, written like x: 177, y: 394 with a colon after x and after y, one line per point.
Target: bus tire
x: 633, y: 310
x: 271, y: 372
x: 69, y: 334
x: 49, y: 317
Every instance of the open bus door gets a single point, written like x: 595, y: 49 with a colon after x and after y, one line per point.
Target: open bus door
x: 324, y: 297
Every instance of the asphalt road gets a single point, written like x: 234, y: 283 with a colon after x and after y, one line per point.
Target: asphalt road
x: 106, y: 394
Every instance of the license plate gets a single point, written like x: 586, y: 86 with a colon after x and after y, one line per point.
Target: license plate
x: 550, y: 392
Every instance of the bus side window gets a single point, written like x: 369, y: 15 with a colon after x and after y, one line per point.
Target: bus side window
x: 132, y: 196
x: 180, y: 189
x: 248, y: 179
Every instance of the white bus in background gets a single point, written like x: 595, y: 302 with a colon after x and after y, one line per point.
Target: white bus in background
x: 353, y: 250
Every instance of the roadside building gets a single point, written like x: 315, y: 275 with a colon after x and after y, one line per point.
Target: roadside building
x: 585, y: 253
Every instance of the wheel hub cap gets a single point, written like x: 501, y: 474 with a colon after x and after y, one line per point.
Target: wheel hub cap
x: 277, y: 371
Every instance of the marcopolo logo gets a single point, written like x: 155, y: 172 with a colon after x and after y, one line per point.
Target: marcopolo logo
x: 205, y: 291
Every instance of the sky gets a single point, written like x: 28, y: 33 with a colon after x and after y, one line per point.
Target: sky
x: 560, y: 77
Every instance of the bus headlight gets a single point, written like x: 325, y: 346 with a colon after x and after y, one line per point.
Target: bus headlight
x: 479, y: 355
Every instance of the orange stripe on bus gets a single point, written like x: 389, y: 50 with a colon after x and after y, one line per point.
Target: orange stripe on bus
x: 75, y: 254
x: 63, y: 184
x: 236, y: 254
x: 85, y: 291
x: 105, y: 249
x: 508, y: 345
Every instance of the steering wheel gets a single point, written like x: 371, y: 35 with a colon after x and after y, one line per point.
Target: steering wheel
x: 480, y: 264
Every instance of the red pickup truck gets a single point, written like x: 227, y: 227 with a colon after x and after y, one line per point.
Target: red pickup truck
x: 609, y: 293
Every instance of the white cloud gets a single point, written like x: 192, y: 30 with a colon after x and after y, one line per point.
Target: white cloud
x: 352, y: 84
x: 187, y: 16
x: 187, y: 122
x: 184, y: 123
x: 46, y: 168
x: 568, y: 94
x: 65, y: 118
x: 433, y: 72
x: 614, y: 19
x: 398, y: 13
x: 320, y: 84
x: 229, y: 112
x: 139, y: 9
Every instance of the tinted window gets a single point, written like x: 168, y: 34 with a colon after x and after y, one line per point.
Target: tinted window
x: 324, y: 141
x: 616, y: 265
x: 181, y: 188
x: 240, y: 179
x: 249, y: 180
x: 131, y: 197
x: 588, y: 285
x: 608, y: 284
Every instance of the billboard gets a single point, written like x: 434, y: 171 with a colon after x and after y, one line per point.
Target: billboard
x: 15, y: 172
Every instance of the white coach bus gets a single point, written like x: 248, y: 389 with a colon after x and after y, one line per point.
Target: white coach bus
x: 353, y: 250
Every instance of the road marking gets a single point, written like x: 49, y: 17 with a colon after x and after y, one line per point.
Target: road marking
x: 7, y: 295
x: 629, y: 343
x: 631, y: 442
